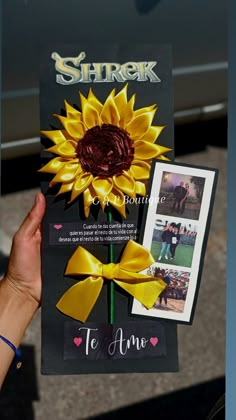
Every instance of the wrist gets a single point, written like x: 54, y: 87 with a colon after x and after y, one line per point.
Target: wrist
x: 17, y: 310
x: 22, y: 291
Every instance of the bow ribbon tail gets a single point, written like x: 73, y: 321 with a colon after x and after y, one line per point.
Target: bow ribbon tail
x: 145, y: 292
x: 78, y: 301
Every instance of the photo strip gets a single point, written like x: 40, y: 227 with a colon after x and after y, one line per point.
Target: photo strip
x: 175, y: 230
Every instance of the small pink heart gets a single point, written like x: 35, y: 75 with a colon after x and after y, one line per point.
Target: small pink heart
x: 57, y: 227
x: 78, y: 341
x: 154, y: 341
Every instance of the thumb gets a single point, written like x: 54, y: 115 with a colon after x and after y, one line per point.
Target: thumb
x: 34, y: 218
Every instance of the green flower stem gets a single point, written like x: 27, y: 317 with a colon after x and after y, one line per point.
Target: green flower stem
x: 111, y: 283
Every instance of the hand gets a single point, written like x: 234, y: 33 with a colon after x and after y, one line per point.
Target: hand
x: 24, y: 270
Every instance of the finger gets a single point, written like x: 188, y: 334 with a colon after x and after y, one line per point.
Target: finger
x: 34, y: 218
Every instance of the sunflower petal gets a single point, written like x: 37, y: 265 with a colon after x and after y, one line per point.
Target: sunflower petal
x: 144, y: 110
x: 126, y: 115
x: 56, y: 136
x: 66, y: 149
x: 66, y: 187
x: 90, y: 116
x: 125, y: 182
x: 93, y: 100
x: 163, y: 158
x: 162, y: 150
x: 140, y: 188
x: 140, y: 169
x: 140, y: 125
x: 88, y: 199
x: 71, y: 112
x: 145, y: 151
x: 112, y: 93
x: 117, y: 199
x: 110, y: 113
x: 153, y: 133
x: 82, y: 182
x: 121, y: 98
x: 54, y: 165
x: 67, y: 173
x: 75, y: 128
x: 102, y: 187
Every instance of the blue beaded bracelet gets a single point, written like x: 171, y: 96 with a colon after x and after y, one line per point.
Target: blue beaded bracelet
x: 16, y: 351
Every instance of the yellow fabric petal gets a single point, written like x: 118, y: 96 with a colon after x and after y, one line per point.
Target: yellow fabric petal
x: 93, y: 100
x: 162, y: 150
x: 65, y: 187
x: 140, y: 169
x: 110, y: 113
x: 71, y: 112
x: 54, y: 165
x: 112, y: 93
x: 140, y: 125
x: 153, y: 133
x: 102, y: 187
x: 163, y: 158
x: 125, y: 183
x: 121, y: 98
x: 88, y: 199
x: 66, y: 149
x: 140, y: 188
x: 145, y: 151
x: 56, y: 136
x: 117, y: 199
x: 74, y: 128
x: 144, y: 110
x: 67, y: 173
x: 127, y: 113
x: 61, y: 118
x: 83, y: 101
x: 90, y: 116
x: 82, y: 182
x: 78, y: 301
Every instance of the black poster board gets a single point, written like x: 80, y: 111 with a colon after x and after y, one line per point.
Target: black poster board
x: 148, y: 76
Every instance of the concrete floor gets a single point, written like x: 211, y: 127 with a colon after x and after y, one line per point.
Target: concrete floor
x: 201, y: 346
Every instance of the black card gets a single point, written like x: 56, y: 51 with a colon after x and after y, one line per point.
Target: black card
x: 141, y: 74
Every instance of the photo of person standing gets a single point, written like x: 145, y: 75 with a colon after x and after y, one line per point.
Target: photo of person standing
x: 183, y: 201
x: 179, y: 193
x: 174, y: 241
x: 164, y: 293
x: 167, y: 235
x: 166, y: 242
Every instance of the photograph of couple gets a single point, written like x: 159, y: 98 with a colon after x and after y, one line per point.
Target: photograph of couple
x: 183, y: 195
x: 173, y: 243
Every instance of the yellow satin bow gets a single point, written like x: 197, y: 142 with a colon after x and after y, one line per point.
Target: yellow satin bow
x: 78, y: 301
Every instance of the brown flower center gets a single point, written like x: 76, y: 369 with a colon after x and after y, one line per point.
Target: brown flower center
x: 105, y: 151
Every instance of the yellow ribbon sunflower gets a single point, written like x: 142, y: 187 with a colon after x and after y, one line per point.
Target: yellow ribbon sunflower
x: 104, y: 151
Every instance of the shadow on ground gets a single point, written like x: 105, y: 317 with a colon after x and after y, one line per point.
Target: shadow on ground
x: 20, y: 389
x: 194, y: 403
